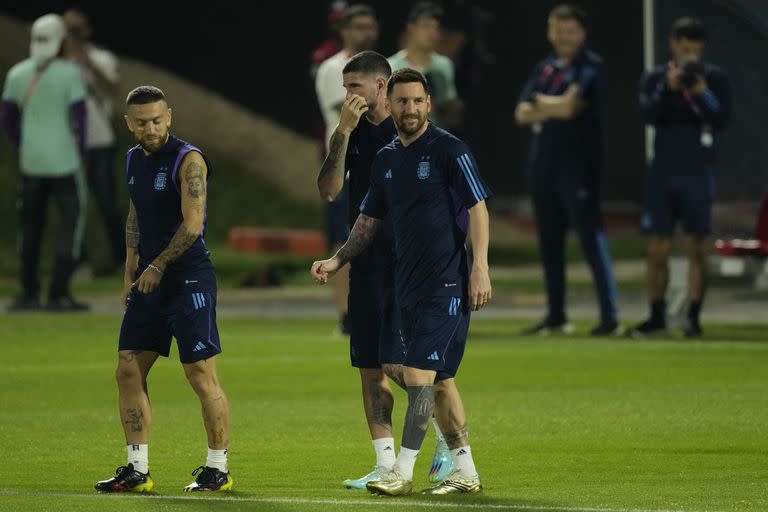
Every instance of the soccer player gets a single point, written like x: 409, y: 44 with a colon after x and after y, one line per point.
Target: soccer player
x: 359, y: 31
x: 170, y: 290
x: 376, y: 348
x: 426, y: 183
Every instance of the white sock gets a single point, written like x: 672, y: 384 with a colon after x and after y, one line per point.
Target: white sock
x: 138, y: 455
x: 217, y: 459
x: 463, y: 462
x: 385, y: 452
x: 438, y: 433
x: 406, y: 459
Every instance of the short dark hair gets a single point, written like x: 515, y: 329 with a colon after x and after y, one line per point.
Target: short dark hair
x: 406, y: 76
x: 370, y: 63
x: 144, y: 94
x: 689, y: 28
x: 354, y: 11
x: 424, y: 10
x: 564, y: 12
x: 76, y: 9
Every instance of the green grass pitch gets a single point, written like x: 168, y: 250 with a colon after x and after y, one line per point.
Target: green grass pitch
x: 571, y: 425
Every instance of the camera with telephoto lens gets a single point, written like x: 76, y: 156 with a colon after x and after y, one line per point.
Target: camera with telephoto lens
x: 690, y: 71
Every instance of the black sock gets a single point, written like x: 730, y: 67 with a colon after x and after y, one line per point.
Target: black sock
x: 694, y: 310
x: 659, y: 311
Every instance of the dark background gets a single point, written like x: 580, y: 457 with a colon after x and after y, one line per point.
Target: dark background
x: 257, y: 54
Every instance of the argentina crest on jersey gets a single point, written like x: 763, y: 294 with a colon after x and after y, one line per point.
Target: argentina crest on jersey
x: 423, y: 172
x: 161, y: 178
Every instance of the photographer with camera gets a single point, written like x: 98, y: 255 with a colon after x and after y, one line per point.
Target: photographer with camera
x: 98, y: 68
x: 687, y: 100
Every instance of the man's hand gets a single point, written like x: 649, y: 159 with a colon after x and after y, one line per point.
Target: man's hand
x: 351, y: 112
x: 527, y: 113
x: 560, y: 106
x: 673, y: 80
x: 699, y: 87
x: 479, y: 288
x: 573, y: 90
x: 322, y: 270
x: 149, y: 280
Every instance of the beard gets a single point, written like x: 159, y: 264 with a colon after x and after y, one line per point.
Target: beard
x: 154, y: 144
x: 406, y: 128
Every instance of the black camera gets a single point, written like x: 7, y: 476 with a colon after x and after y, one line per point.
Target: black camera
x: 690, y: 71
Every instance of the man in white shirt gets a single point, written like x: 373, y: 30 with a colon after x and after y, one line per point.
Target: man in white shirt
x: 359, y: 31
x: 99, y: 70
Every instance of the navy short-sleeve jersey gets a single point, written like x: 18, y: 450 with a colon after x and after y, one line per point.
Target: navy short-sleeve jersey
x: 153, y: 184
x: 688, y: 128
x: 426, y: 189
x: 573, y: 142
x: 364, y: 142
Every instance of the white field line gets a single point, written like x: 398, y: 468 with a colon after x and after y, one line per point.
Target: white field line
x: 380, y: 502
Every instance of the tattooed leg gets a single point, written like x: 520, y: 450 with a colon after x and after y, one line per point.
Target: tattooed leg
x: 395, y: 372
x: 450, y: 414
x: 421, y: 404
x: 377, y: 401
x: 203, y: 377
x: 135, y: 413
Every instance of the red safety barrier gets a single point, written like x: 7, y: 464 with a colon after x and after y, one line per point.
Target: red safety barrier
x: 287, y: 241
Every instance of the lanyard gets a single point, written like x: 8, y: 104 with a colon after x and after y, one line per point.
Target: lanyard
x: 549, y: 83
x: 706, y: 137
x: 672, y: 65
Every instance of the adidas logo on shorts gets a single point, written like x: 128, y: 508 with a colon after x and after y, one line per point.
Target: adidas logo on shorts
x: 200, y: 346
x: 433, y: 357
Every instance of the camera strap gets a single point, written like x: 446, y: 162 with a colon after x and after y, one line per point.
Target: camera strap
x: 706, y: 139
x: 672, y: 65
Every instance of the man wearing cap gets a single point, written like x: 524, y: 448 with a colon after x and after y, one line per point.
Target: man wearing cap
x: 43, y: 114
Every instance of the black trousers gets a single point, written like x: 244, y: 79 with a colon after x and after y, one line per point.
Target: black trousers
x: 101, y: 181
x: 561, y: 205
x: 68, y: 193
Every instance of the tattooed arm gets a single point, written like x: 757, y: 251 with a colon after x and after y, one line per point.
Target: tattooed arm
x: 193, y: 188
x: 131, y: 239
x: 131, y: 250
x: 194, y: 173
x: 360, y: 238
x: 330, y: 180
